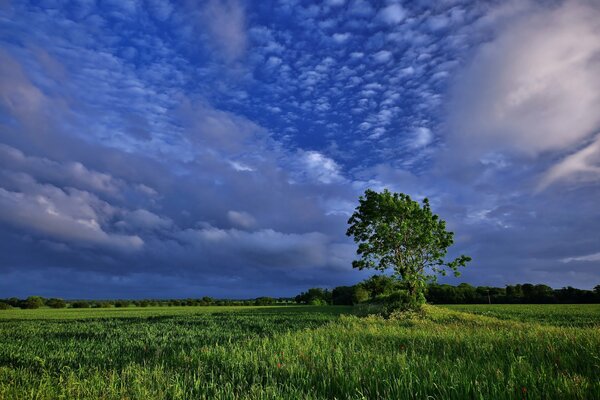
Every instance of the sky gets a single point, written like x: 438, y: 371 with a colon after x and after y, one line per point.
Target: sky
x: 154, y: 148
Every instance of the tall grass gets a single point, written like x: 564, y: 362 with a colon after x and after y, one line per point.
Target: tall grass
x: 296, y: 353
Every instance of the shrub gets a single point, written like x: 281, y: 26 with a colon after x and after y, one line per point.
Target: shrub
x: 392, y: 305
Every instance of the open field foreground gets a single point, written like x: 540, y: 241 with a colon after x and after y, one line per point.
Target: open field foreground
x: 511, y: 352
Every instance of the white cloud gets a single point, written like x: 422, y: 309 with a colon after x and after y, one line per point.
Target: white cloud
x: 588, y: 258
x: 422, y: 137
x: 71, y: 216
x: 382, y: 56
x: 392, y: 14
x: 241, y: 167
x: 341, y: 37
x: 313, y: 166
x: 72, y: 174
x: 581, y: 166
x: 535, y: 88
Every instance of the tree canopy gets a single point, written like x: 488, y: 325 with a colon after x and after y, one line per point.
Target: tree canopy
x: 395, y: 232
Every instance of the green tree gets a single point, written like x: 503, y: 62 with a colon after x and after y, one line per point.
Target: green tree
x: 394, y: 232
x: 56, y: 303
x: 360, y: 294
x: 342, y: 295
x: 380, y: 285
x: 34, y: 302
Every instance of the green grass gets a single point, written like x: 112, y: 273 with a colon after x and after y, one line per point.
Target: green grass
x: 297, y: 353
x: 582, y: 315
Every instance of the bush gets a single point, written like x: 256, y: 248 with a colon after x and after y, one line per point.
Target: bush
x: 5, y: 306
x: 392, y: 305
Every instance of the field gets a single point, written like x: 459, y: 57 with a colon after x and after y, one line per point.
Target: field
x: 454, y: 352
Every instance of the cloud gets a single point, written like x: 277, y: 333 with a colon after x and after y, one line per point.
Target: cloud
x: 588, y: 258
x: 535, y: 88
x: 218, y: 130
x: 581, y: 166
x: 422, y: 137
x: 72, y: 174
x: 241, y: 219
x: 144, y: 220
x: 70, y: 216
x: 382, y: 56
x: 392, y: 14
x: 341, y: 37
x: 226, y: 21
x: 313, y: 166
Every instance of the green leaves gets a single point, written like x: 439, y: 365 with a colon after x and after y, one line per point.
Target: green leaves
x: 395, y: 232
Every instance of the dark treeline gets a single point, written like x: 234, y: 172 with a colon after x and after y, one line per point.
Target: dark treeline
x: 380, y: 286
x: 371, y: 289
x: 38, y: 302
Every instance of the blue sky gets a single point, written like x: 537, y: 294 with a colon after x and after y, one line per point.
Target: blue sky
x: 151, y: 148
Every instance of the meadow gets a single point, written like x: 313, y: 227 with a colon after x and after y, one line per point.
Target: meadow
x: 301, y: 352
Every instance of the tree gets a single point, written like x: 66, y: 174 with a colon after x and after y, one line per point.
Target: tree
x: 264, y: 301
x: 342, y: 295
x: 56, y: 303
x: 34, y: 302
x: 394, y: 232
x: 380, y: 285
x: 314, y: 296
x: 360, y: 294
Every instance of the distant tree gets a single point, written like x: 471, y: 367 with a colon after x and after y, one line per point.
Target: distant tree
x: 360, y: 294
x: 378, y: 285
x: 33, y: 302
x: 56, y: 303
x: 14, y: 302
x: 314, y: 296
x: 264, y: 301
x: 342, y: 295
x: 80, y: 304
x: 5, y: 306
x: 207, y: 301
x: 394, y: 232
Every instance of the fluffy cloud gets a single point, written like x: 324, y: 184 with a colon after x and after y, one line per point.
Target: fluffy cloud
x: 71, y: 216
x: 533, y: 89
x: 392, y: 14
x: 313, y: 166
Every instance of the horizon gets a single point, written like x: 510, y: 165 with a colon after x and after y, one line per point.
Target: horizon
x: 174, y: 149
x: 200, y: 295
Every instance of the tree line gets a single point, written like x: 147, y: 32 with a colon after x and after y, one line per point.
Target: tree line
x: 33, y: 302
x: 382, y: 286
x: 377, y: 287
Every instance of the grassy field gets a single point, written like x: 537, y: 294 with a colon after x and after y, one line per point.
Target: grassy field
x: 455, y: 352
x: 576, y: 315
